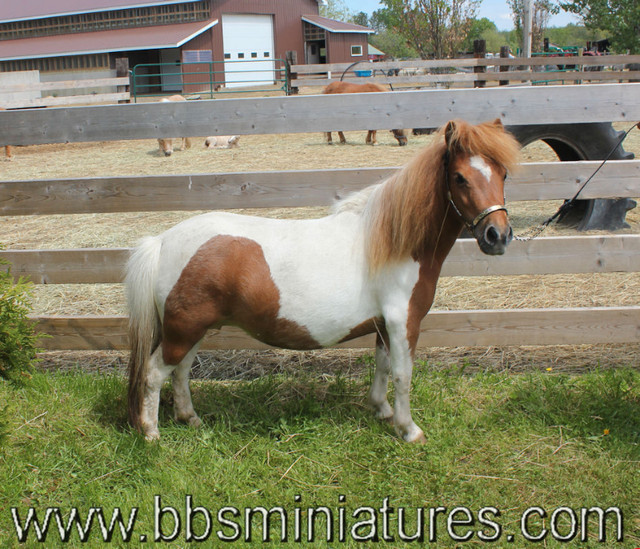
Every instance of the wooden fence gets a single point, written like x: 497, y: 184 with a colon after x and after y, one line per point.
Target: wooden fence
x: 12, y: 95
x: 540, y: 181
x: 461, y: 72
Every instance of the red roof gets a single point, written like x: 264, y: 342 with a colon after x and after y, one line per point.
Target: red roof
x: 13, y: 10
x: 139, y: 38
x: 335, y: 26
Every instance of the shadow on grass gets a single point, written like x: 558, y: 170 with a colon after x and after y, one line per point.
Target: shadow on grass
x: 590, y: 406
x: 261, y: 405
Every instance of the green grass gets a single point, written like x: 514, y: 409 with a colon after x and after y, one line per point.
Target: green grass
x: 494, y: 439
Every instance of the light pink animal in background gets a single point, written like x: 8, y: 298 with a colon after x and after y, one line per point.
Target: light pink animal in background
x: 166, y: 145
x: 7, y: 149
x: 221, y: 142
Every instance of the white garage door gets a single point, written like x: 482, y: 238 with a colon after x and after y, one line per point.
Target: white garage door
x: 248, y: 50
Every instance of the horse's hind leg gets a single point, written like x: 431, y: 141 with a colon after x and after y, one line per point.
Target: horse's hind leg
x: 329, y: 138
x: 343, y: 139
x: 371, y: 137
x: 157, y: 373
x: 378, y: 392
x: 182, y: 406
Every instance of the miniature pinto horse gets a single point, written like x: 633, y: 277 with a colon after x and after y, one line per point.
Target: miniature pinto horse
x: 370, y: 266
x: 348, y: 87
x: 166, y: 145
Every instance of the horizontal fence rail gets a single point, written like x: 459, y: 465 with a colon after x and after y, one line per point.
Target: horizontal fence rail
x: 118, y: 84
x: 470, y: 62
x: 416, y: 72
x: 470, y: 78
x: 589, y: 325
x: 551, y: 255
x: 533, y: 181
x: 268, y: 115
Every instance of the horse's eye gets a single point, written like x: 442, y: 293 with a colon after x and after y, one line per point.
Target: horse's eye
x: 460, y: 180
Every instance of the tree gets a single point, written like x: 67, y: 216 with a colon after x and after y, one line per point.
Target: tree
x: 484, y: 29
x: 360, y: 18
x: 542, y: 10
x: 434, y: 28
x: 620, y: 19
x: 336, y: 9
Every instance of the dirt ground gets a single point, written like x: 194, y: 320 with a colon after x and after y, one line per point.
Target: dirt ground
x: 286, y: 152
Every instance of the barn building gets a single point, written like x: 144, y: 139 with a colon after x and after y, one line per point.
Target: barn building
x: 179, y: 43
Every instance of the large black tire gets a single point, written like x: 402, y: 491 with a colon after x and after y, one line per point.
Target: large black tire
x: 592, y: 141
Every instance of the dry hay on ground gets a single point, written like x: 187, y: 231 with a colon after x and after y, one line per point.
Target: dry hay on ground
x: 286, y: 152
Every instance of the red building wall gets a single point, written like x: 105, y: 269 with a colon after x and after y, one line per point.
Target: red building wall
x: 339, y: 47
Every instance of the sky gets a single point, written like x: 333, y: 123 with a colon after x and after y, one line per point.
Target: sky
x: 495, y: 10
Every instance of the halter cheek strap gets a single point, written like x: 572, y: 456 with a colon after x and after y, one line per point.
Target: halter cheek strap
x: 471, y: 225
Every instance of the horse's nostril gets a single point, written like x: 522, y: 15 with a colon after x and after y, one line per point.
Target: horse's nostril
x: 510, y: 235
x: 491, y: 235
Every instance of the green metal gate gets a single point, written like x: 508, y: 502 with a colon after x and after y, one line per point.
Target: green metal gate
x: 148, y: 79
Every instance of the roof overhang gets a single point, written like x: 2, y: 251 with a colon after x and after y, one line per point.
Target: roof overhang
x: 336, y: 26
x: 135, y: 39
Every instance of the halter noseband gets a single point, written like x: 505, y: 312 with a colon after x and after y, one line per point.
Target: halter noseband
x: 471, y: 225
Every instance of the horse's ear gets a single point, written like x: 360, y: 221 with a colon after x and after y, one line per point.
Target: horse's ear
x: 449, y: 133
x: 497, y: 122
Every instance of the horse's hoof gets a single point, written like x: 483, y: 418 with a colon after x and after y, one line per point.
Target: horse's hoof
x: 152, y: 436
x: 420, y: 439
x: 413, y: 435
x: 384, y: 412
x: 192, y: 419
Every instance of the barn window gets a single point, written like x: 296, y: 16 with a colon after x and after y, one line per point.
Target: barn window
x: 356, y: 51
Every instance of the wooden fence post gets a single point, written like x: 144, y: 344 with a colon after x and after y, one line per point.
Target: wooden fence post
x: 122, y: 69
x: 291, y: 58
x: 504, y: 54
x: 479, y: 49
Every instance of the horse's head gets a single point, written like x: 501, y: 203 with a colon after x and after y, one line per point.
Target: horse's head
x: 476, y: 170
x: 401, y: 136
x: 166, y: 146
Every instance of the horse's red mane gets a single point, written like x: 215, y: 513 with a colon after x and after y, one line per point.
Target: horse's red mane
x: 402, y: 215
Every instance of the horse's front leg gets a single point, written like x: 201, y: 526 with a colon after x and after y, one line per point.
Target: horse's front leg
x: 401, y: 359
x: 329, y: 138
x: 378, y: 392
x: 372, y: 137
x: 343, y: 139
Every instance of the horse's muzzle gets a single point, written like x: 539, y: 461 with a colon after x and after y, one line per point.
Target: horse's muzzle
x: 167, y: 153
x: 492, y: 239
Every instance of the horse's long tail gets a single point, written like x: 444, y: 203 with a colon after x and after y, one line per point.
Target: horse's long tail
x: 144, y: 322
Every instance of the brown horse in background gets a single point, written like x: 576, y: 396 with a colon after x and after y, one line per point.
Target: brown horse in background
x: 7, y: 149
x: 348, y: 87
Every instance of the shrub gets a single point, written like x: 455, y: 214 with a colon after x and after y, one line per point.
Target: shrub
x: 17, y: 334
